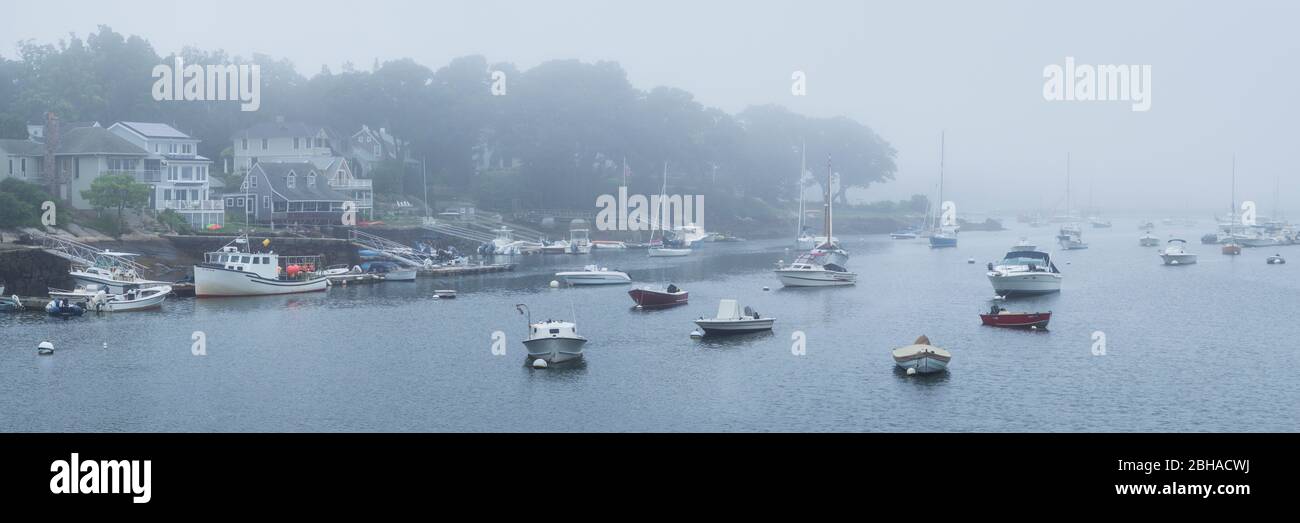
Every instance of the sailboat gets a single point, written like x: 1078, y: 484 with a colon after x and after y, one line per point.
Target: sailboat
x: 824, y: 265
x: 663, y: 250
x: 803, y: 241
x: 1231, y: 247
x: 1071, y: 235
x: 944, y: 234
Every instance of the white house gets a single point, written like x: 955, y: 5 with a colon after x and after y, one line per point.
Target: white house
x: 176, y: 173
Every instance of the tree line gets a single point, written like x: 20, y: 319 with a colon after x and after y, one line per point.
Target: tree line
x: 561, y: 131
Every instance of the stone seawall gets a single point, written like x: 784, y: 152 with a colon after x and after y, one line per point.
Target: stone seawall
x: 31, y: 272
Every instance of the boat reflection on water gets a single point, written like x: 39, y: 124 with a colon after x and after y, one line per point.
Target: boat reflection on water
x: 733, y: 341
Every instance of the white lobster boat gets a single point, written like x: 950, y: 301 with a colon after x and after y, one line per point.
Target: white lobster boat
x: 235, y: 271
x: 98, y: 299
x: 1176, y: 253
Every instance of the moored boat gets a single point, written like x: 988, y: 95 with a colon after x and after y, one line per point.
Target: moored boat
x: 1000, y: 317
x: 236, y: 271
x: 1147, y: 240
x: 1025, y: 273
x: 1176, y: 254
x: 62, y: 308
x: 647, y: 298
x: 1275, y: 259
x: 921, y: 357
x: 593, y: 275
x: 814, y: 269
x: 731, y: 320
x: 551, y: 341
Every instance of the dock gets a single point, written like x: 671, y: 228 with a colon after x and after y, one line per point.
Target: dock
x: 463, y: 270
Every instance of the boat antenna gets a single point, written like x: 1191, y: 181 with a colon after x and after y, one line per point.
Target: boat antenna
x: 524, y: 311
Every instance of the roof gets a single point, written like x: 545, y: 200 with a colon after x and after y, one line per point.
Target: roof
x: 278, y: 172
x: 279, y: 129
x: 96, y: 140
x: 22, y: 147
x: 154, y: 130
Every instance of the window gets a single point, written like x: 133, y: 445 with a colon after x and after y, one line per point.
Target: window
x: 295, y: 142
x: 23, y: 164
x: 252, y: 181
x: 230, y: 202
x: 239, y: 203
x: 290, y: 180
x: 266, y: 202
x: 244, y: 144
x: 311, y: 180
x: 265, y: 143
x: 167, y: 194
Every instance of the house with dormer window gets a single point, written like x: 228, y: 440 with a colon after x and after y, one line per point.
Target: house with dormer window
x: 297, y: 193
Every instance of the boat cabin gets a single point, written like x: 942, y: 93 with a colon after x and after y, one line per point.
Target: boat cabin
x: 267, y: 265
x: 553, y: 329
x: 1028, y: 260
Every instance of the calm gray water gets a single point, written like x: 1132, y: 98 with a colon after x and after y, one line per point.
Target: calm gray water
x: 1210, y: 347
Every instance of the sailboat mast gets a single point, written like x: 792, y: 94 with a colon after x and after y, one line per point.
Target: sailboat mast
x: 1067, y: 186
x: 803, y: 168
x: 663, y: 193
x: 938, y: 222
x: 829, y: 236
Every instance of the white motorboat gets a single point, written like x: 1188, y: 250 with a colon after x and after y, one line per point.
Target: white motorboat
x: 1071, y: 237
x: 402, y: 274
x: 96, y: 298
x: 814, y: 269
x: 552, y: 341
x: 665, y: 252
x: 114, y: 280
x: 1023, y: 272
x: 921, y: 357
x: 731, y: 320
x: 1176, y: 253
x: 608, y: 244
x: 556, y: 247
x: 236, y: 271
x: 593, y: 275
x: 1275, y: 259
x: 1024, y: 245
x: 1147, y: 240
x: 579, y: 241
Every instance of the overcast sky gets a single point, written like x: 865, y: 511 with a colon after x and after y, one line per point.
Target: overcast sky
x: 1225, y: 75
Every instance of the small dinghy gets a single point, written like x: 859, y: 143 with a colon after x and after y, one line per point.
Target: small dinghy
x: 1275, y: 259
x: 921, y: 357
x: 445, y: 294
x: 1000, y: 317
x: 647, y: 298
x: 730, y: 320
x: 61, y: 308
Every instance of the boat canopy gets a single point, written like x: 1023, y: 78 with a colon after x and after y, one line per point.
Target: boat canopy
x: 728, y: 310
x: 1028, y: 258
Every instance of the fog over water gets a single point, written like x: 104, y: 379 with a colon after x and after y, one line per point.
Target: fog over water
x: 1223, y: 76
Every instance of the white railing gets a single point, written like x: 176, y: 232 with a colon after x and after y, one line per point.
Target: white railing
x: 194, y: 205
x: 355, y: 183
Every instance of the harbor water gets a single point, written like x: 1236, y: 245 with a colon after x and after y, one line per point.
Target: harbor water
x: 1133, y: 346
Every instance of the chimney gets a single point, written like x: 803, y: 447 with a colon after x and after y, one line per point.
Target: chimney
x: 51, y: 169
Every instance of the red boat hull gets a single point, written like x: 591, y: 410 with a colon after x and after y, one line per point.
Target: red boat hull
x: 1021, y: 320
x: 649, y: 299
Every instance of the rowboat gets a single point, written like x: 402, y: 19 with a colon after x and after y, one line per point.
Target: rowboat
x: 999, y: 317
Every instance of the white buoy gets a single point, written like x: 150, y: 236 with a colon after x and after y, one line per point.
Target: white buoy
x: 911, y: 372
x: 106, y: 345
x: 554, y: 284
x: 765, y: 288
x: 697, y: 334
x: 539, y: 363
x: 45, y: 348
